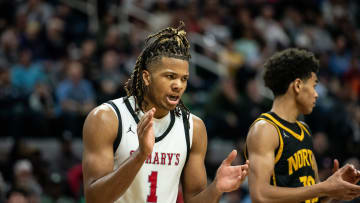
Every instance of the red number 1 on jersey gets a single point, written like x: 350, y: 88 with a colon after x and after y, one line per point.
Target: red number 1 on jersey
x: 153, y: 182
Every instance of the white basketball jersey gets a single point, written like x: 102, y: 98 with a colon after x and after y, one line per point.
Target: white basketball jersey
x: 159, y: 177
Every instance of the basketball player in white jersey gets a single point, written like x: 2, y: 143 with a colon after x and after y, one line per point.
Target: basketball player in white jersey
x: 136, y: 157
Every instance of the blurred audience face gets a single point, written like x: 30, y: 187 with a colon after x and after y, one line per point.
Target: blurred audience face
x: 110, y: 61
x: 75, y: 72
x: 320, y: 142
x: 4, y: 77
x: 88, y: 48
x: 9, y: 39
x: 112, y: 37
x: 25, y: 57
x: 17, y: 197
x: 32, y: 30
x: 23, y: 173
x: 340, y: 43
x: 268, y: 12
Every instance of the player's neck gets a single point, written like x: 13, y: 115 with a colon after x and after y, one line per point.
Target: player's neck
x: 285, y: 107
x: 159, y: 113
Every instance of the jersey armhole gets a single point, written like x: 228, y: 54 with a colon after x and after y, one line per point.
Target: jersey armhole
x: 119, y: 132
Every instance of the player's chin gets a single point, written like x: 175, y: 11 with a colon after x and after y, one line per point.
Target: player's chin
x: 171, y: 107
x: 308, y: 111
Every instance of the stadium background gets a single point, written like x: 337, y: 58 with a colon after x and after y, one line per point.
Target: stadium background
x: 61, y: 58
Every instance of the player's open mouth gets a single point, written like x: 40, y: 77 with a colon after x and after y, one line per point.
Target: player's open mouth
x: 173, y: 100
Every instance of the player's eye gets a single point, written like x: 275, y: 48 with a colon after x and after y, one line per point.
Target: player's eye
x: 170, y: 76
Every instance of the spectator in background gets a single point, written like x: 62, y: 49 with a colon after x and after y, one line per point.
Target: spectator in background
x: 352, y: 78
x: 76, y: 98
x: 272, y: 32
x: 55, y: 43
x: 42, y: 107
x: 31, y: 40
x: 24, y: 177
x: 56, y: 190
x: 12, y: 103
x: 340, y: 59
x: 111, y: 78
x: 89, y: 59
x: 26, y: 74
x: 36, y: 10
x: 17, y: 196
x: 66, y: 159
x: 9, y: 46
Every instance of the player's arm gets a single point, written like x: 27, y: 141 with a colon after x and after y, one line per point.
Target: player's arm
x: 262, y: 141
x: 101, y: 183
x: 194, y: 179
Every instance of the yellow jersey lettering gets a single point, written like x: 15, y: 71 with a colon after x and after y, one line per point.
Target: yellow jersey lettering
x: 299, y: 159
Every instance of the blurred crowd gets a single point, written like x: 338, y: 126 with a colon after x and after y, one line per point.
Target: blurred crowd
x: 55, y: 67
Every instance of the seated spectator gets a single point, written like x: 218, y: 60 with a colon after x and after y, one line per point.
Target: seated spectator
x: 112, y: 77
x: 26, y: 74
x: 76, y: 98
x: 24, y: 177
x: 12, y: 104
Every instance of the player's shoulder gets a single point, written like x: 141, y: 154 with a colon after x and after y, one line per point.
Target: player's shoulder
x: 262, y: 125
x: 199, y: 129
x: 102, y: 112
x: 197, y: 122
x: 262, y: 132
x: 101, y: 119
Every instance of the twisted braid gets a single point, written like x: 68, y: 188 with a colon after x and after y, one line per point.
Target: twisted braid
x: 169, y: 42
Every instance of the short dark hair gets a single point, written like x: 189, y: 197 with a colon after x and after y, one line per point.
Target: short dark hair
x: 284, y: 67
x: 169, y: 42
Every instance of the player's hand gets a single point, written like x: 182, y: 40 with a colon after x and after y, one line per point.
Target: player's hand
x: 339, y: 186
x: 352, y: 176
x: 229, y: 178
x: 145, y: 133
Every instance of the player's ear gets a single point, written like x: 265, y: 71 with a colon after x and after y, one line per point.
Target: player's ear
x: 146, y: 77
x: 298, y: 83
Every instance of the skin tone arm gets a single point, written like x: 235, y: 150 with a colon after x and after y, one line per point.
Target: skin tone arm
x: 262, y: 141
x: 194, y: 179
x: 99, y: 133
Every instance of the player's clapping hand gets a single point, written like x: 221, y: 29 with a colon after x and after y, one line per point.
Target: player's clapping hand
x: 341, y: 185
x: 145, y: 133
x: 229, y: 178
x: 352, y: 175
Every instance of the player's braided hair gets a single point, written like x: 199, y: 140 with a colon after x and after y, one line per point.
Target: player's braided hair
x: 169, y: 42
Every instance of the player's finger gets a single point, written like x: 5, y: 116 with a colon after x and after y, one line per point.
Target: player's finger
x: 244, y: 174
x: 336, y: 166
x: 145, y: 120
x: 148, y: 127
x: 244, y: 167
x: 230, y: 158
x: 344, y: 168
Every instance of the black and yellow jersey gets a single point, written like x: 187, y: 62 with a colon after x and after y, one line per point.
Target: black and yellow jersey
x: 294, y: 163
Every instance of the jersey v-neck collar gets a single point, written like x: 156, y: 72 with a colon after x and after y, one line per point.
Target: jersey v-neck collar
x: 137, y: 120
